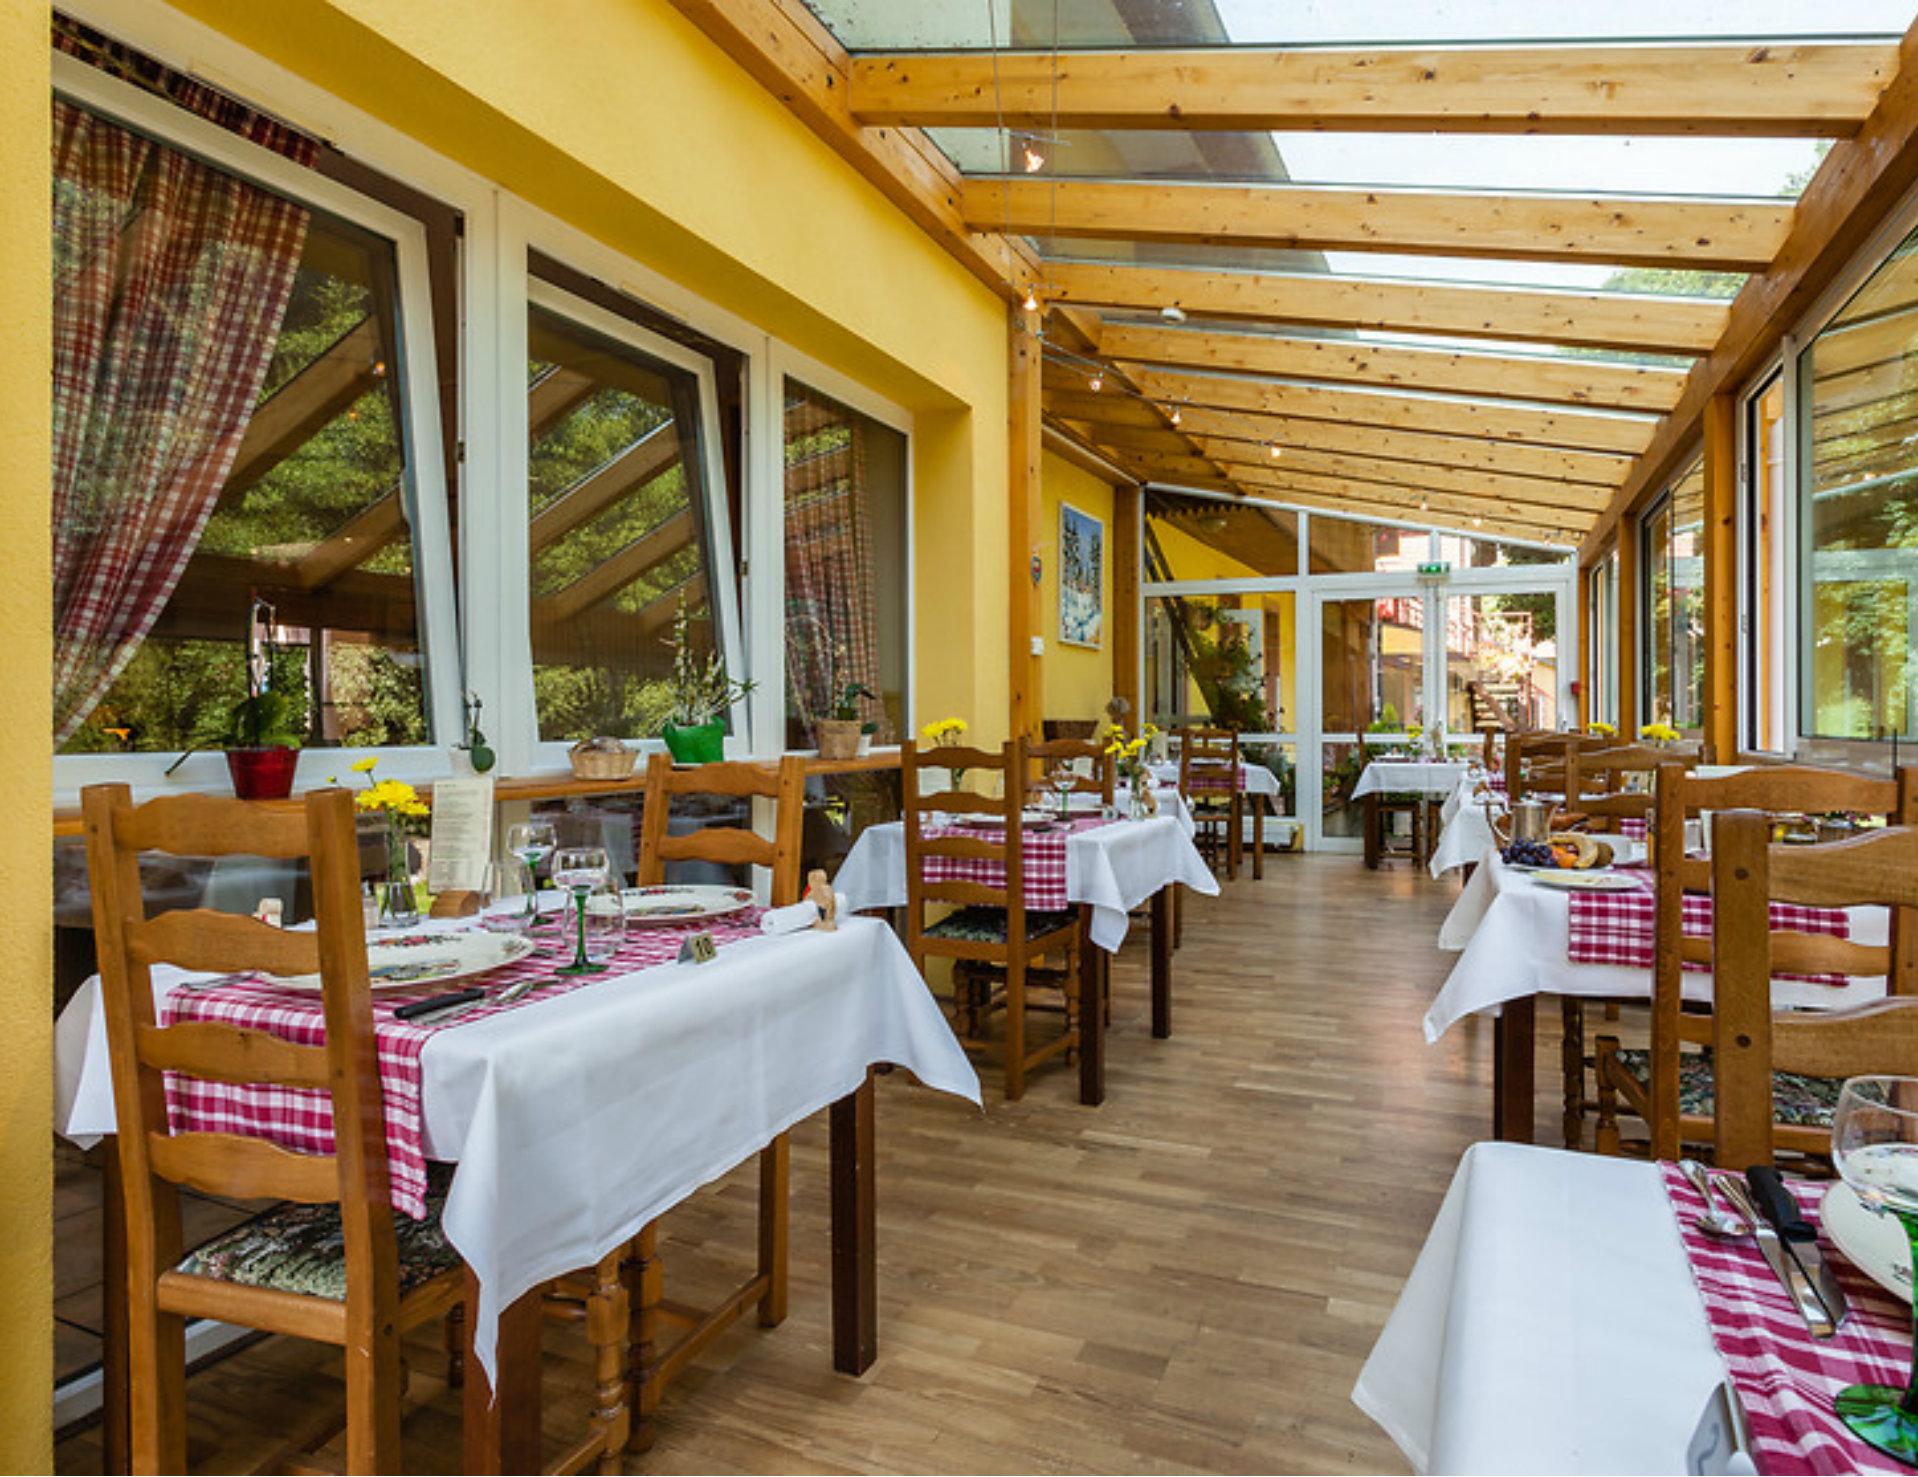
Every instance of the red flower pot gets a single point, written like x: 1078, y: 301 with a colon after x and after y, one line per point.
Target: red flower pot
x: 262, y: 774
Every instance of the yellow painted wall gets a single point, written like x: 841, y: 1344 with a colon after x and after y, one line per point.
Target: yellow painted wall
x: 26, y: 635
x: 1078, y: 679
x: 620, y: 118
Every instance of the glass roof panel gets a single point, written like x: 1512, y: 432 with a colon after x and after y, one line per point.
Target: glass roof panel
x: 865, y: 25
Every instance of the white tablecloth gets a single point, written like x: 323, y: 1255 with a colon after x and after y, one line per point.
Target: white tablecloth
x: 1256, y: 779
x: 1465, y: 830
x: 1410, y: 777
x: 577, y: 1120
x: 1114, y: 868
x: 1550, y: 1324
x: 1513, y: 938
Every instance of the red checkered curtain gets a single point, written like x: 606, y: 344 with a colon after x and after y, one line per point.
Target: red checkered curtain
x: 832, y: 618
x: 170, y: 279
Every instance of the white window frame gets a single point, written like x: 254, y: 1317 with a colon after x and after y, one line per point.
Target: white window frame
x: 722, y: 596
x: 1784, y: 620
x: 425, y: 479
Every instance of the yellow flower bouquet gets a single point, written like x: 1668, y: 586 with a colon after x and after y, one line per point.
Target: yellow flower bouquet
x: 398, y: 803
x: 1659, y: 733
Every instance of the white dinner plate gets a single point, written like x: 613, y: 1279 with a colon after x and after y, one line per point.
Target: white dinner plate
x: 1874, y: 1244
x: 675, y: 903
x: 1594, y: 880
x: 405, y: 960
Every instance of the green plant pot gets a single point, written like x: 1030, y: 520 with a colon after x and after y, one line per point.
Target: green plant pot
x: 699, y: 743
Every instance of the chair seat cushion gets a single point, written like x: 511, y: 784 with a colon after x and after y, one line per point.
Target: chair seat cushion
x: 301, y: 1249
x: 1804, y: 1102
x: 982, y: 925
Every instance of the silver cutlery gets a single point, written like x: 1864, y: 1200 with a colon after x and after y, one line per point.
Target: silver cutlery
x: 1784, y: 1267
x: 1800, y: 1236
x: 1714, y: 1222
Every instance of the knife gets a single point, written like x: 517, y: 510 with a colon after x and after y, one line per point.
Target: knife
x: 432, y: 1007
x: 1799, y: 1235
x: 1790, y: 1275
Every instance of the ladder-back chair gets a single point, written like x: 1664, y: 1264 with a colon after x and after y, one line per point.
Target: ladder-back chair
x: 991, y: 931
x: 656, y: 1363
x: 335, y: 1264
x: 1214, y: 789
x: 1097, y: 776
x: 1755, y: 1047
x: 1672, y: 1088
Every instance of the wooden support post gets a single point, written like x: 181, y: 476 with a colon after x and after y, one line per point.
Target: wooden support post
x: 1023, y: 522
x: 855, y: 1229
x: 1127, y: 515
x: 1721, y: 578
x: 1628, y: 606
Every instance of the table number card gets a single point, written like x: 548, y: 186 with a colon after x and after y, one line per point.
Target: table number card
x: 698, y: 949
x: 462, y: 839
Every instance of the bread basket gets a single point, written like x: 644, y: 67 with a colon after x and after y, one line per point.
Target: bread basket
x: 602, y: 759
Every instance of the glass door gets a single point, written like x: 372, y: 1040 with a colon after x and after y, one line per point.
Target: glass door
x: 1372, y: 681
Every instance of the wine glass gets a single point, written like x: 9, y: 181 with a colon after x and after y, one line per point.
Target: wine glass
x: 1874, y: 1144
x: 501, y: 910
x: 579, y: 869
x: 1063, y: 778
x: 532, y: 842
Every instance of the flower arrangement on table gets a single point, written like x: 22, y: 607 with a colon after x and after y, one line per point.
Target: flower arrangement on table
x: 399, y: 805
x: 1599, y: 728
x: 1659, y: 733
x: 1131, y: 760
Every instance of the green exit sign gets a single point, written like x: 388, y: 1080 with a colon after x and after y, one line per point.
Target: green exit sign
x: 1439, y: 566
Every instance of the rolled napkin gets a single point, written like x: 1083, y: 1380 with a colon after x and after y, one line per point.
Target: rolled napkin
x: 799, y: 916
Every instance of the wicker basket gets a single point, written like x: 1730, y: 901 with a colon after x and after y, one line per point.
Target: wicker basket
x: 602, y: 764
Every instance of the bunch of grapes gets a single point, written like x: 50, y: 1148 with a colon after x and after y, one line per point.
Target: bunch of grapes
x: 1527, y: 854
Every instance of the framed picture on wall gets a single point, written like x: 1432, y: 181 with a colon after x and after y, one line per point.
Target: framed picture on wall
x: 1082, y: 549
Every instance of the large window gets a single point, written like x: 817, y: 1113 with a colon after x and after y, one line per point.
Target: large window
x: 1858, y: 548
x: 846, y: 563
x: 1601, y: 641
x: 230, y: 424
x: 1765, y: 583
x: 1674, y: 604
x: 622, y: 535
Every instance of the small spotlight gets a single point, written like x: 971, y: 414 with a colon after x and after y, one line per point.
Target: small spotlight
x: 1035, y: 161
x: 1176, y: 416
x: 1096, y: 383
x: 1276, y: 450
x: 1172, y: 313
x: 1030, y: 302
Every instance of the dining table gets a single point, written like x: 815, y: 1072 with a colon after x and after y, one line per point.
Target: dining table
x: 1517, y: 939
x: 1567, y: 1315
x: 1104, y: 867
x: 587, y: 1108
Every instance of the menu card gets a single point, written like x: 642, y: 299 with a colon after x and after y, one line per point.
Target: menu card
x: 462, y: 842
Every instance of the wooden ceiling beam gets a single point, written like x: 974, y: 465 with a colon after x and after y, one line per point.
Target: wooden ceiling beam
x: 788, y: 51
x: 1474, y: 524
x: 1817, y: 89
x: 1576, y: 429
x: 1718, y: 235
x: 1582, y: 382
x: 1571, y: 497
x: 643, y: 555
x: 1855, y: 189
x: 1106, y: 412
x: 1631, y: 322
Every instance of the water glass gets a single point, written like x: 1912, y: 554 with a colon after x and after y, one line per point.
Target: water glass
x: 532, y: 842
x: 1874, y: 1145
x: 503, y: 909
x: 605, y: 909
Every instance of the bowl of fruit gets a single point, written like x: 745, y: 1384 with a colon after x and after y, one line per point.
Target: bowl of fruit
x: 1566, y: 851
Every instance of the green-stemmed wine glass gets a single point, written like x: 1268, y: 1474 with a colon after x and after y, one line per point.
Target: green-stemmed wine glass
x: 1874, y: 1143
x: 532, y: 842
x: 579, y: 869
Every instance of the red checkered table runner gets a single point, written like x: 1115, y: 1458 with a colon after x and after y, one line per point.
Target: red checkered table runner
x: 1213, y: 776
x: 1621, y: 927
x: 1784, y: 1377
x: 1044, y: 858
x: 301, y: 1119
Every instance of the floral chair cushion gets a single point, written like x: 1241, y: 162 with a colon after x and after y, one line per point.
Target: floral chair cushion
x: 301, y: 1249
x: 982, y: 925
x: 1804, y: 1102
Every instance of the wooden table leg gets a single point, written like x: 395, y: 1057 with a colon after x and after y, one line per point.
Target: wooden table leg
x: 1162, y: 963
x: 1514, y: 1047
x: 855, y: 1228
x: 1258, y: 838
x: 116, y: 1436
x: 1371, y: 827
x: 503, y: 1435
x: 1092, y: 1018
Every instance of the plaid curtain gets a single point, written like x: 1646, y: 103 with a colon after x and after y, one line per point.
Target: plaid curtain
x: 170, y: 279
x: 832, y: 617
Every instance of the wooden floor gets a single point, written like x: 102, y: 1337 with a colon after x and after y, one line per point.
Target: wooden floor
x: 1185, y: 1279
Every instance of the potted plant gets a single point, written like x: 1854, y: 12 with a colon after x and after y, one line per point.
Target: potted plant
x: 262, y: 745
x: 701, y: 693
x: 839, y: 735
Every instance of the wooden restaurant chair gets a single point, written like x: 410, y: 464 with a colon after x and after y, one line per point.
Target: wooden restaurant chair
x: 995, y: 941
x: 336, y: 1264
x: 1535, y: 762
x: 1214, y: 791
x: 655, y: 1363
x: 1755, y: 1047
x: 1598, y: 798
x: 1098, y: 777
x: 1670, y: 1086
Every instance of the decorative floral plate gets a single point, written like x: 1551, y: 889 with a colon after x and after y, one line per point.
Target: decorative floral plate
x: 683, y: 904
x: 1874, y: 1244
x: 402, y: 961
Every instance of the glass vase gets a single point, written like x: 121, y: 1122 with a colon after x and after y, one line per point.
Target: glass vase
x: 399, y: 908
x: 1145, y: 804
